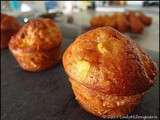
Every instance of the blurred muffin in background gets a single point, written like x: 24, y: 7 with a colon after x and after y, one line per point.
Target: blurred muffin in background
x: 37, y: 45
x: 136, y: 26
x: 9, y: 26
x: 122, y: 23
x: 110, y: 21
x: 130, y: 21
x: 146, y: 20
x: 100, y: 21
x: 97, y: 21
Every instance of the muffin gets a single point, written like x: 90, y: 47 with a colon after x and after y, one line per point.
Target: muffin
x: 37, y: 45
x: 97, y: 21
x: 108, y: 72
x: 100, y: 21
x: 9, y: 26
x: 122, y: 23
x: 146, y: 20
x: 110, y: 21
x: 136, y: 25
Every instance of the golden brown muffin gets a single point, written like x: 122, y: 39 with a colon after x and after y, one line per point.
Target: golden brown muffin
x: 100, y: 21
x: 109, y: 73
x: 37, y: 45
x: 146, y: 20
x: 135, y: 23
x: 122, y: 23
x: 9, y: 26
x: 97, y: 21
x: 110, y: 21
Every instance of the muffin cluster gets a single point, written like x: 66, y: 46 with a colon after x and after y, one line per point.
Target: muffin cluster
x: 37, y: 45
x: 9, y: 27
x: 123, y: 22
x: 109, y: 73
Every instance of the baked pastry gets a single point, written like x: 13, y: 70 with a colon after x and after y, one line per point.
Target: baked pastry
x: 133, y: 21
x: 146, y: 20
x: 109, y: 73
x: 37, y: 45
x: 97, y: 21
x: 9, y: 26
x: 100, y: 21
x: 122, y: 23
x: 110, y: 21
x: 136, y: 25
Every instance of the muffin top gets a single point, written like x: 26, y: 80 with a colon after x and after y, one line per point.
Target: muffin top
x: 98, y: 21
x: 105, y: 60
x: 37, y: 35
x: 9, y: 23
x: 122, y: 23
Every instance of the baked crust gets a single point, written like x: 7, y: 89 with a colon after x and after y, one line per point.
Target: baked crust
x: 9, y: 27
x: 146, y: 20
x: 9, y: 22
x: 37, y: 61
x: 37, y: 45
x: 37, y: 35
x: 110, y: 21
x: 133, y: 21
x: 122, y: 23
x: 136, y: 25
x: 98, y: 21
x: 104, y: 105
x: 107, y: 61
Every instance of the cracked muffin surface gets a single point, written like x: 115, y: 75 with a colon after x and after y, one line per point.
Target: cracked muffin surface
x: 110, y: 62
x: 38, y: 34
x: 37, y: 45
x: 108, y: 71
